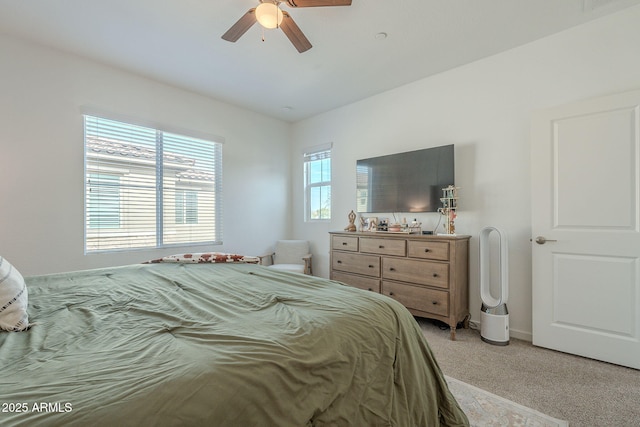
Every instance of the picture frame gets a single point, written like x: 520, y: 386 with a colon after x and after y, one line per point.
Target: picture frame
x: 371, y: 224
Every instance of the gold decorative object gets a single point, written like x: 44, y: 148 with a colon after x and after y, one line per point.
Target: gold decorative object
x: 352, y: 222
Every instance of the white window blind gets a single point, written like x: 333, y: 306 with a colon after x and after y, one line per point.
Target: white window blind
x: 317, y: 173
x: 146, y: 188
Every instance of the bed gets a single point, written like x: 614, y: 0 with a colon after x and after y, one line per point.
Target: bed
x: 216, y: 344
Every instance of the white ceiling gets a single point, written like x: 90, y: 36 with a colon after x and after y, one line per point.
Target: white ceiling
x: 178, y: 42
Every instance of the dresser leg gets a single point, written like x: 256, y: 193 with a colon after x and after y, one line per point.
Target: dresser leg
x: 453, y: 333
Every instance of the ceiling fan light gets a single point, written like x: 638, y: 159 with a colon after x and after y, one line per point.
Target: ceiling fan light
x: 269, y: 15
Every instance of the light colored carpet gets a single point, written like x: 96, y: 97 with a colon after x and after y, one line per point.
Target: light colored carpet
x: 585, y: 392
x: 485, y: 409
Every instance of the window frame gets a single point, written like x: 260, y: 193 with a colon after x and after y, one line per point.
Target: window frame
x: 310, y: 155
x: 96, y: 239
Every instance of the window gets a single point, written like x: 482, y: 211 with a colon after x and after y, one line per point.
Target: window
x: 317, y: 179
x: 148, y: 188
x: 186, y: 207
x: 103, y: 201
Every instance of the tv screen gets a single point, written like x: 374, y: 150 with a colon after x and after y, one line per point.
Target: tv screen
x: 404, y: 182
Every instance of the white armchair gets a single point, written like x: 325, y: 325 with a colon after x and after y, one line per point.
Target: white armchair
x: 289, y: 255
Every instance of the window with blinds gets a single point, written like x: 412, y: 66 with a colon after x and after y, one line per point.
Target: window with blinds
x: 317, y: 179
x: 147, y: 188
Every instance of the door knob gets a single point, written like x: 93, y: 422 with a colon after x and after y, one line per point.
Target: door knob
x: 541, y: 240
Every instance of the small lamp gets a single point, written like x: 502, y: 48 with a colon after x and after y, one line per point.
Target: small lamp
x: 269, y: 15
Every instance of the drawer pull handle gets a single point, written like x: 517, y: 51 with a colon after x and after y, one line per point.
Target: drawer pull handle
x: 434, y: 302
x: 435, y: 274
x: 344, y: 243
x: 369, y: 289
x: 390, y: 293
x: 392, y: 269
x: 426, y: 250
x: 339, y: 262
x: 371, y: 266
x: 380, y: 246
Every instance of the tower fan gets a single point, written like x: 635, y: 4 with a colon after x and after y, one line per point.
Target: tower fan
x: 494, y: 316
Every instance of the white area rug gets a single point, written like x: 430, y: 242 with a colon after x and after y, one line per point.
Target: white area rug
x: 486, y: 409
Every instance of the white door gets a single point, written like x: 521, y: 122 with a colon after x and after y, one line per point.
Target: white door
x: 585, y: 161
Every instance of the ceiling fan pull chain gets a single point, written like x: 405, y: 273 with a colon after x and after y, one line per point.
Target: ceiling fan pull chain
x: 262, y: 33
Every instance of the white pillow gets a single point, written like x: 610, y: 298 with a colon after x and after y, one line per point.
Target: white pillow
x: 13, y: 298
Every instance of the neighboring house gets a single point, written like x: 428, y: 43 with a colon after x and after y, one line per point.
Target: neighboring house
x: 119, y: 172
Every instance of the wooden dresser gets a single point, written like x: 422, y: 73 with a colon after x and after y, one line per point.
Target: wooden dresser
x: 427, y: 274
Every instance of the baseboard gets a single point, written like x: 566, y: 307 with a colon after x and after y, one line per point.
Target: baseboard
x: 514, y: 333
x: 524, y: 336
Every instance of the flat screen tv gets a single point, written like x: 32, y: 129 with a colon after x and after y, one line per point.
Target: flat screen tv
x: 404, y: 182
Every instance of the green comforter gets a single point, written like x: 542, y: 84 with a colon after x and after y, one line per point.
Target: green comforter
x: 217, y: 345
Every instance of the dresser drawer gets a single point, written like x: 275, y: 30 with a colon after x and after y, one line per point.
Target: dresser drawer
x: 366, y: 283
x: 428, y: 250
x: 369, y: 265
x: 383, y: 246
x: 418, y: 298
x: 427, y: 274
x: 414, y: 271
x: 344, y: 243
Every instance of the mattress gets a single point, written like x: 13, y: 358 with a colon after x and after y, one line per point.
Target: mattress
x: 173, y: 344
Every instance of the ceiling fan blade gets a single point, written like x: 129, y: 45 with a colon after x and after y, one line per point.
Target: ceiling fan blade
x: 293, y: 32
x: 240, y: 27
x: 317, y: 3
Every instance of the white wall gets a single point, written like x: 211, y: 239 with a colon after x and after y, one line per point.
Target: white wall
x: 41, y: 157
x: 484, y: 108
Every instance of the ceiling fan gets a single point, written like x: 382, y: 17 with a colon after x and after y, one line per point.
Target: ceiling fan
x: 269, y: 15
